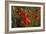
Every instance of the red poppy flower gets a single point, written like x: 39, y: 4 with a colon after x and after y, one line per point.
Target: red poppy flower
x: 35, y: 16
x: 25, y: 18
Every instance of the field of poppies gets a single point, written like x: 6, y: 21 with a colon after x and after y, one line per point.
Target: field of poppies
x: 23, y: 16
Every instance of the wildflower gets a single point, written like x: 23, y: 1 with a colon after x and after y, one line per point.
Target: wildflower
x: 25, y: 18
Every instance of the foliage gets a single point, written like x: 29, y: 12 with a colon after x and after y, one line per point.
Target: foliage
x: 33, y: 13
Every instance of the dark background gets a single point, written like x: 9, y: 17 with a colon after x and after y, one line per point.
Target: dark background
x: 30, y: 11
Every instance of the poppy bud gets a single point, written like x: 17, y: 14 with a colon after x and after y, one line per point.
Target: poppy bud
x: 37, y: 18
